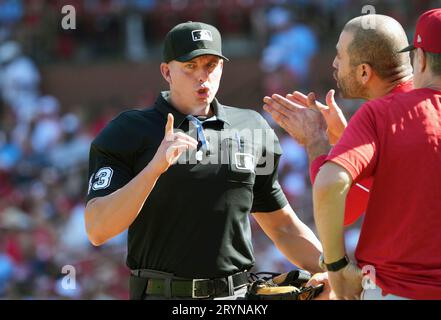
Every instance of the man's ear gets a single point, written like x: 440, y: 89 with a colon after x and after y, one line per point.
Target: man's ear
x: 364, y: 72
x: 421, y: 57
x: 165, y: 71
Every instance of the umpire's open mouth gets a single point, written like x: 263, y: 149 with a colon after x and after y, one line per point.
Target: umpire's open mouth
x: 203, y: 92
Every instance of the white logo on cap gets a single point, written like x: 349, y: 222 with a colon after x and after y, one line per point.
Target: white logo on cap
x: 419, y: 40
x: 199, y: 35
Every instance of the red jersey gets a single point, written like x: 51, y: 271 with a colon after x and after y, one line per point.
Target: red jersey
x: 397, y: 140
x: 358, y: 195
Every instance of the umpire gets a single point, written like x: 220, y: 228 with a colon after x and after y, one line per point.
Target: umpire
x: 183, y: 176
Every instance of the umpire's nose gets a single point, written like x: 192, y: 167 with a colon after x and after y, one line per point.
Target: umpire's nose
x: 203, y: 75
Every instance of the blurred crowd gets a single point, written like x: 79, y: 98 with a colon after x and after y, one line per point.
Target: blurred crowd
x: 44, y: 145
x: 43, y: 165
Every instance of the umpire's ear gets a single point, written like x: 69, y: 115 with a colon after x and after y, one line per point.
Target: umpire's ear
x: 165, y: 71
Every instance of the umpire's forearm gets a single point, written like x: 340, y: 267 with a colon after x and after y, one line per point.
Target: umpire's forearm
x: 301, y: 247
x: 292, y: 237
x: 110, y: 215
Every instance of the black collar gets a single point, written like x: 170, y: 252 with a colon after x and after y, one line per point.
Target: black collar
x: 164, y: 107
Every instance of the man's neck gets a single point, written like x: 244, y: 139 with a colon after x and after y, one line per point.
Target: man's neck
x: 204, y: 110
x: 383, y: 88
x: 432, y: 82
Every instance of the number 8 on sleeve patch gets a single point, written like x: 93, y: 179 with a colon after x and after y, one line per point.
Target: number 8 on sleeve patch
x: 104, y: 176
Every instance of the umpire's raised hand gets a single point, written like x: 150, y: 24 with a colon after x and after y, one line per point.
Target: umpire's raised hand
x: 171, y: 147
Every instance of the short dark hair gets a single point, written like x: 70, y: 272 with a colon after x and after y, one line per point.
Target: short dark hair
x: 379, y: 47
x: 434, y: 61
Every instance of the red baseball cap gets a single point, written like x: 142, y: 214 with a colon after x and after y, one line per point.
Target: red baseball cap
x: 427, y: 33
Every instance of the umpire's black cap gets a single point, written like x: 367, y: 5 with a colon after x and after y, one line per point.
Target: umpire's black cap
x: 192, y: 39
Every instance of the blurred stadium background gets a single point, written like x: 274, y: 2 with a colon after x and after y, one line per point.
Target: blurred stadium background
x: 59, y: 88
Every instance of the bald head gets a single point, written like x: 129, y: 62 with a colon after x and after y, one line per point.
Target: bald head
x: 377, y: 43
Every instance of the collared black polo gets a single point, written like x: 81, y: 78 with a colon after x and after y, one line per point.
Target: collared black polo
x: 195, y: 221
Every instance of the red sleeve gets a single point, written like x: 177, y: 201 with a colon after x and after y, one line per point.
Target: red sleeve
x: 356, y: 151
x: 356, y: 200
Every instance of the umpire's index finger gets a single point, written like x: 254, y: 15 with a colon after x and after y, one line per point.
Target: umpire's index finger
x: 169, y: 127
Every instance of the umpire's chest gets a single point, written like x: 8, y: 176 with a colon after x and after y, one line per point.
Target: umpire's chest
x: 230, y: 156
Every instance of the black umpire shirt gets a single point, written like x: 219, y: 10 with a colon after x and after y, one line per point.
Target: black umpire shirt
x: 195, y: 221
